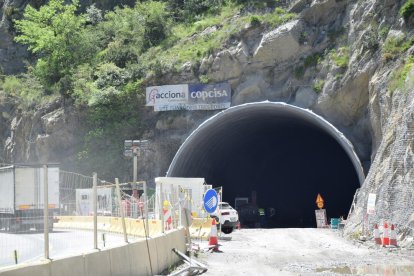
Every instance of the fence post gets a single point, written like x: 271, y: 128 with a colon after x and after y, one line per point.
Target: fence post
x: 121, y: 210
x: 161, y: 208
x: 95, y: 211
x: 180, y: 208
x: 146, y: 205
x: 46, y: 211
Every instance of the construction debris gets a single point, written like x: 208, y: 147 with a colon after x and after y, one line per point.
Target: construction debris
x: 193, y: 266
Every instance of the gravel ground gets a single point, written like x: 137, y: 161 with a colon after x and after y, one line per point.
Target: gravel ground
x: 305, y: 251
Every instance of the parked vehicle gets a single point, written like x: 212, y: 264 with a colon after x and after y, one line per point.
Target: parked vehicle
x: 22, y: 197
x: 227, y: 217
x: 249, y: 215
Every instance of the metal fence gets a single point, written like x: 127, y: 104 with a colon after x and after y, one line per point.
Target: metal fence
x: 77, y: 214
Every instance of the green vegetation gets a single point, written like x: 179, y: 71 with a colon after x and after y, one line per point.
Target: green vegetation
x: 318, y: 85
x: 309, y: 61
x: 399, y: 76
x: 56, y: 34
x: 104, y: 59
x: 384, y: 32
x: 312, y: 60
x: 407, y: 9
x: 90, y: 57
x: 396, y: 45
x: 255, y: 20
x: 24, y: 89
x: 204, y: 79
x: 340, y: 57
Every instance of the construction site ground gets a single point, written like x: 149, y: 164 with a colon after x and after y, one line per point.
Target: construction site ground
x: 302, y: 251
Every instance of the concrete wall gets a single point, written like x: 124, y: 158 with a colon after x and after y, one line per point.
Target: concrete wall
x: 127, y: 260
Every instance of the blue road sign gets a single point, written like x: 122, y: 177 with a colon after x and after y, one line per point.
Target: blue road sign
x: 210, y: 201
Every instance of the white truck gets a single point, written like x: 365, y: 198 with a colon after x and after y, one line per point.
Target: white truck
x: 22, y: 197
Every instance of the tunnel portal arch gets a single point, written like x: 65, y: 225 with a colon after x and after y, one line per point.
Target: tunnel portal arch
x: 279, y: 150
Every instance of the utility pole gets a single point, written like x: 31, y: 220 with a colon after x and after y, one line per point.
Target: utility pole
x: 133, y: 148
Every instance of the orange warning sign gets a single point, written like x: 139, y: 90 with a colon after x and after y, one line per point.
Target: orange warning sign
x: 319, y: 201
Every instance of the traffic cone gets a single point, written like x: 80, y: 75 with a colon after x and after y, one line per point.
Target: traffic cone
x: 393, y: 236
x: 213, y: 241
x: 377, y: 237
x: 385, y: 236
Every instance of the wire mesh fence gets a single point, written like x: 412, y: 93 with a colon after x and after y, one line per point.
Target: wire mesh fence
x: 77, y: 214
x: 47, y: 213
x: 392, y: 179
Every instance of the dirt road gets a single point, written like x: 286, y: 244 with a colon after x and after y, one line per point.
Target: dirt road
x: 303, y: 252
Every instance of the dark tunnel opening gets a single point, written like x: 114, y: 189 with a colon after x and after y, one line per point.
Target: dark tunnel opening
x: 283, y: 153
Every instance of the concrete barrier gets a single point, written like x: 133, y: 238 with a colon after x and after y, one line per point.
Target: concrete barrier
x: 127, y: 260
x: 140, y: 263
x: 98, y: 263
x: 117, y: 259
x: 68, y: 266
x: 35, y: 269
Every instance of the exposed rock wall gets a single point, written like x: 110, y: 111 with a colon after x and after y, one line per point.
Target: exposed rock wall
x: 264, y: 66
x: 51, y: 134
x: 260, y: 66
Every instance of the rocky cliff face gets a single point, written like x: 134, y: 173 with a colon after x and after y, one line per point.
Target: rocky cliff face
x: 12, y: 55
x: 279, y: 65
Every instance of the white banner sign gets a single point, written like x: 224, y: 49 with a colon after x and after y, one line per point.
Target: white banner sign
x: 371, y: 204
x: 189, y: 97
x: 167, y: 95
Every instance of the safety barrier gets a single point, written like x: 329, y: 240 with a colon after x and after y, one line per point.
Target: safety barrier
x: 130, y: 259
x: 200, y: 228
x: 134, y: 227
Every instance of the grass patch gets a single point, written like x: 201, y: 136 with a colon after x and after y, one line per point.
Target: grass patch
x: 187, y: 44
x: 340, y: 57
x: 397, y: 45
x: 318, y: 85
x: 384, y: 32
x: 399, y: 76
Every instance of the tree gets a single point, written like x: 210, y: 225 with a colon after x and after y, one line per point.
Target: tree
x: 58, y: 38
x: 128, y: 32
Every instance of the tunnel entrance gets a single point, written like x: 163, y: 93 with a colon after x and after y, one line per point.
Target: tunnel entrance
x: 286, y: 154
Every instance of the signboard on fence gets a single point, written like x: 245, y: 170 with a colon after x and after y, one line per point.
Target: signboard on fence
x: 321, y: 220
x: 84, y: 202
x: 210, y: 201
x: 189, y: 97
x: 371, y: 204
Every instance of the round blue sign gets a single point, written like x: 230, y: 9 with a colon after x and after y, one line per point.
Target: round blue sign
x: 210, y: 201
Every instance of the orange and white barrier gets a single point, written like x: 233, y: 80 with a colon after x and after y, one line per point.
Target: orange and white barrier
x: 385, y: 235
x: 393, y: 236
x: 213, y: 241
x: 167, y: 216
x: 377, y: 237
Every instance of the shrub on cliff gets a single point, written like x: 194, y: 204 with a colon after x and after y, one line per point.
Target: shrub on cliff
x: 407, y: 9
